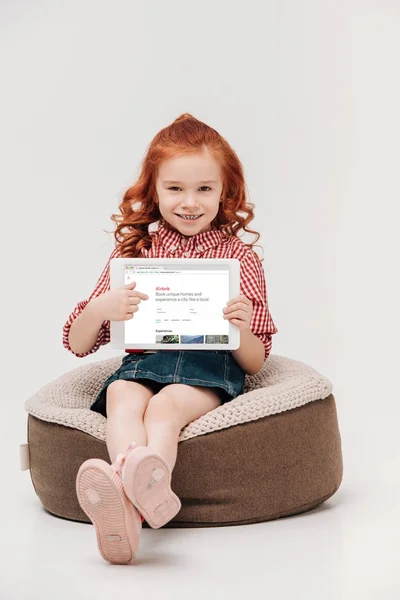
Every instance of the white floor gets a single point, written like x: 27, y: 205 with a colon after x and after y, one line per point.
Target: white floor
x: 347, y: 549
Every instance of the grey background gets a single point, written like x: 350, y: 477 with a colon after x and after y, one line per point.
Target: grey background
x: 307, y: 93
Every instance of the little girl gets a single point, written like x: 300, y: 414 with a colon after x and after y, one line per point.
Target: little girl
x: 192, y: 185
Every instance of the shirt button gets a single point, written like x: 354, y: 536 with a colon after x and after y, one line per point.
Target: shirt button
x: 184, y: 242
x: 201, y: 247
x: 186, y: 254
x: 172, y: 248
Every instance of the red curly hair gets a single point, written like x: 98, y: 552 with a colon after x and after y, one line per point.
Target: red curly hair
x: 185, y: 135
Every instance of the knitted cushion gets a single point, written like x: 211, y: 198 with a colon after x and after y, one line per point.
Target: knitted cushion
x: 284, y: 426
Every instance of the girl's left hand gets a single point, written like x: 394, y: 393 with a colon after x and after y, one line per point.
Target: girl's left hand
x: 239, y: 310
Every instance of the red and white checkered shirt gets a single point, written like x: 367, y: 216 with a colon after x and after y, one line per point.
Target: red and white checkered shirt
x: 168, y: 243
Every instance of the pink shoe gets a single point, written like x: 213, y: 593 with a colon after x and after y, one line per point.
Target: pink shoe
x: 146, y: 478
x: 101, y: 495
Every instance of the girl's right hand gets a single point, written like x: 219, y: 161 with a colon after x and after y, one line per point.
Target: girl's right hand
x: 120, y: 304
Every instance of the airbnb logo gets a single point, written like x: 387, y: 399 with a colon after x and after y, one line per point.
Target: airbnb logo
x: 159, y: 287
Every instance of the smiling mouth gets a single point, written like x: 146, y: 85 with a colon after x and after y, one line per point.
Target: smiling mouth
x: 189, y: 217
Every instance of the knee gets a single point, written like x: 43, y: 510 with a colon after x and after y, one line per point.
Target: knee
x: 121, y: 395
x: 162, y: 407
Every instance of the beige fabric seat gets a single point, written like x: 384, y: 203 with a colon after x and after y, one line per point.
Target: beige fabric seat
x: 274, y: 451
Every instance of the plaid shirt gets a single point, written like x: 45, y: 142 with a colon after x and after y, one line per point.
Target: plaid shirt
x: 168, y: 243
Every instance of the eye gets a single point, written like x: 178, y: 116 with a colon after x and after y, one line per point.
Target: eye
x: 174, y: 187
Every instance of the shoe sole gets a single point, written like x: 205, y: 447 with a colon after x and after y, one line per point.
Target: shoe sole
x: 154, y: 499
x: 101, y: 496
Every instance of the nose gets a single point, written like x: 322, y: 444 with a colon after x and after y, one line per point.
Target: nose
x: 189, y: 200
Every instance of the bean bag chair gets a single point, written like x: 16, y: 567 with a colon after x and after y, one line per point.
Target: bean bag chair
x: 272, y: 452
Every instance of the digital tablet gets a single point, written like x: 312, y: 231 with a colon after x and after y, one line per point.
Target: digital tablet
x: 184, y: 309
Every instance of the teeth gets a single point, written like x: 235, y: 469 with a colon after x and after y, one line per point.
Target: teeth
x: 189, y: 217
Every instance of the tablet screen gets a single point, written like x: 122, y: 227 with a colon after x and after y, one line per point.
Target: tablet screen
x: 185, y: 304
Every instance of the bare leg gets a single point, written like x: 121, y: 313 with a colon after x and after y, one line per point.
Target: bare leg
x: 126, y: 404
x: 167, y: 412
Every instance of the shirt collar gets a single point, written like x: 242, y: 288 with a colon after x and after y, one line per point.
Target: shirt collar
x: 171, y: 239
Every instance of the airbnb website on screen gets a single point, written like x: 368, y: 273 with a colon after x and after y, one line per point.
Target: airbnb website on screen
x: 184, y: 306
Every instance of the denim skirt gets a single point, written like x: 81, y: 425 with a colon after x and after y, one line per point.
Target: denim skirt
x: 210, y: 368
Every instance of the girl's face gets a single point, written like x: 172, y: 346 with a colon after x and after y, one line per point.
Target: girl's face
x: 189, y: 185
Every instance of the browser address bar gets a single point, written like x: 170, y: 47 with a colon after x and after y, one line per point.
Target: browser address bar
x: 186, y: 272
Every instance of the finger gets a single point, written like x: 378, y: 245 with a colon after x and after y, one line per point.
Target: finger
x: 233, y: 308
x: 134, y: 300
x: 239, y: 298
x: 239, y: 324
x: 239, y: 305
x: 137, y: 294
x: 237, y: 314
x: 133, y: 309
